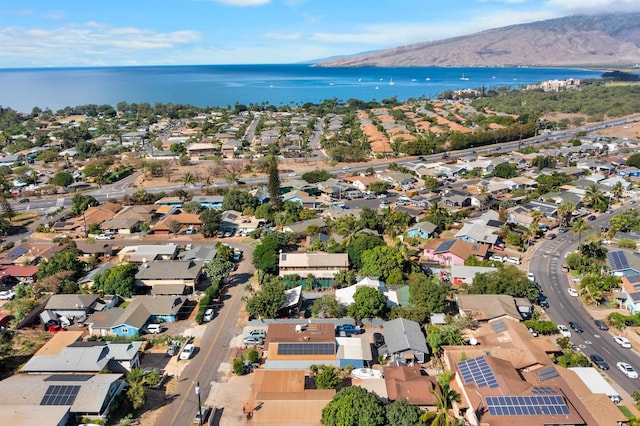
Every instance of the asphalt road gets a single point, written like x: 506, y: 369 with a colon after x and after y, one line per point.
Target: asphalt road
x: 213, y: 350
x: 546, y: 264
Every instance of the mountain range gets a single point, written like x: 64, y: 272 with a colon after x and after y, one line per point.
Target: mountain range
x: 608, y: 40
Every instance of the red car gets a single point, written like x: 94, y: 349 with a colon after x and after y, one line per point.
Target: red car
x: 498, y: 247
x: 55, y: 328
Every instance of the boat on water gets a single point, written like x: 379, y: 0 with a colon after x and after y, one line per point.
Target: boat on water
x: 464, y: 78
x: 413, y: 80
x: 391, y: 83
x: 366, y: 373
x: 428, y: 78
x: 377, y: 88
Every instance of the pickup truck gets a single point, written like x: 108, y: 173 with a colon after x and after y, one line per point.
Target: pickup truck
x: 348, y: 330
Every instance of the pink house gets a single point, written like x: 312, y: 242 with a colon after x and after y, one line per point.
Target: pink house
x: 453, y: 252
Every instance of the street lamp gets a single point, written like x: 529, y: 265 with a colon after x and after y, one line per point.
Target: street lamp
x: 197, y: 389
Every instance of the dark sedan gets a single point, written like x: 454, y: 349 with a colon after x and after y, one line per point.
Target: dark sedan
x: 599, y: 361
x: 601, y: 325
x: 576, y: 327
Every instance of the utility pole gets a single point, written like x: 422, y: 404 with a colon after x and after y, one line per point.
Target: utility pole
x: 197, y: 389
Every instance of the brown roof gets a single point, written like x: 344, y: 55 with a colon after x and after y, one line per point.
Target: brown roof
x: 182, y: 218
x: 312, y: 333
x: 58, y: 342
x: 409, y: 383
x: 274, y: 392
x: 98, y: 214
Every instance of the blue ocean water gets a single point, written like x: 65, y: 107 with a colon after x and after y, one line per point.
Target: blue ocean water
x: 223, y: 85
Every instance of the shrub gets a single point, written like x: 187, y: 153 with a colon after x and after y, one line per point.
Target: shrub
x: 252, y: 356
x: 238, y: 367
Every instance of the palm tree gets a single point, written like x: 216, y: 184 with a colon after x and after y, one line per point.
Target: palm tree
x: 564, y: 212
x: 232, y: 178
x: 348, y: 226
x: 617, y: 191
x: 580, y: 227
x: 188, y: 179
x: 444, y: 403
x: 536, y: 215
x: 594, y: 197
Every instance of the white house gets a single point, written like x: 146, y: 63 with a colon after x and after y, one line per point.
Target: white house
x: 345, y: 295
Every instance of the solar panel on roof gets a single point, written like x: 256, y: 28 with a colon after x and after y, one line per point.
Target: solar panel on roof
x: 547, y: 373
x: 617, y: 260
x: 477, y: 370
x: 445, y: 245
x: 527, y: 405
x: 306, y: 349
x: 17, y: 253
x: 68, y: 377
x: 543, y: 390
x: 498, y: 326
x: 634, y: 278
x: 60, y: 395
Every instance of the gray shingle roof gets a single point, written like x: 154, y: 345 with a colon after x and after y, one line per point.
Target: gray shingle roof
x: 402, y: 334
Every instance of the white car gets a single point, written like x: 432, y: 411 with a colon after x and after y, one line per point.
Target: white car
x: 572, y: 292
x: 208, y: 315
x: 496, y: 257
x: 627, y: 370
x: 622, y: 341
x: 531, y: 277
x: 564, y: 330
x: 187, y: 351
x: 7, y: 295
x: 104, y: 237
x: 511, y: 259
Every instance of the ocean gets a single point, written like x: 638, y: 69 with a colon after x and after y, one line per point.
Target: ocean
x: 226, y: 85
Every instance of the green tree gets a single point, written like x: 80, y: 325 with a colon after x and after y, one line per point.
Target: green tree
x: 328, y: 306
x: 401, y: 413
x: 7, y: 210
x: 268, y: 300
x: 428, y: 292
x: 66, y: 260
x: 238, y: 200
x: 316, y: 176
x: 595, y: 198
x: 634, y: 160
x: 211, y: 219
x: 136, y: 394
x: 218, y: 269
x: 507, y: 280
x: 505, y: 170
x: 96, y: 170
x: 273, y: 185
x: 362, y: 242
x: 62, y: 179
x: 178, y: 149
x: 328, y: 377
x: 118, y: 280
x: 81, y: 202
x: 368, y: 302
x: 378, y: 187
x: 354, y: 406
x: 174, y: 226
x: 381, y: 262
x: 444, y: 404
x: 580, y: 227
x: 191, y: 207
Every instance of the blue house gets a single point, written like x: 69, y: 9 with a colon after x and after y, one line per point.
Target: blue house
x: 422, y: 230
x: 209, y: 201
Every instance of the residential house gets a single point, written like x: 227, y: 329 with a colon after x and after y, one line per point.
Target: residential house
x: 307, y: 338
x: 406, y: 343
x: 186, y: 220
x: 454, y: 252
x: 274, y: 392
x: 461, y: 274
x: 148, y: 253
x: 397, y: 178
x: 170, y: 201
x: 409, y: 383
x: 169, y: 277
x: 209, y: 201
x: 95, y: 248
x: 304, y: 199
x: 233, y: 221
x: 204, y: 254
x: 361, y: 182
x: 422, y: 230
x: 345, y: 295
x: 31, y: 253
x: 83, y: 395
x: 320, y: 265
x: 13, y: 274
x: 456, y: 199
x: 477, y: 233
x: 230, y: 147
x: 72, y: 305
x: 95, y: 215
x: 129, y: 321
x: 302, y: 226
x: 89, y: 279
x: 488, y: 307
x: 67, y: 353
x: 199, y: 149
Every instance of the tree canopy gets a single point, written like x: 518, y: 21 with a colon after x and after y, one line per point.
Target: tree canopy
x: 210, y: 222
x: 381, y: 261
x: 368, y: 302
x: 354, y: 406
x: 267, y: 301
x: 238, y: 200
x: 316, y: 176
x: 66, y: 260
x: 81, y: 202
x: 118, y: 280
x: 508, y: 280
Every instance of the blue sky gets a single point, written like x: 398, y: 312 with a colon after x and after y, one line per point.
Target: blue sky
x: 45, y: 33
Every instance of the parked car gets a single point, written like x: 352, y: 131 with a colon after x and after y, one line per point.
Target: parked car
x: 191, y: 230
x: 495, y: 257
x: 252, y: 341
x: 562, y: 230
x: 348, y: 329
x: 188, y: 351
x: 208, y: 315
x: 378, y: 339
x: 173, y: 348
x: 601, y: 325
x: 23, y: 200
x: 622, y: 341
x: 7, y: 295
x: 627, y: 370
x: 499, y: 247
x: 572, y: 292
x: 575, y: 326
x: 564, y: 330
x: 592, y: 217
x: 551, y: 236
x: 544, y: 303
x: 257, y: 333
x: 531, y: 277
x: 153, y: 329
x: 202, y: 415
x: 104, y: 237
x: 599, y: 361
x: 511, y: 259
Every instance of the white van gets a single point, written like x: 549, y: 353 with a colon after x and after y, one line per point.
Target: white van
x: 153, y: 328
x: 191, y: 230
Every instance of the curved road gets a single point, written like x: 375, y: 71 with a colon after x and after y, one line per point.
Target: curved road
x: 546, y: 264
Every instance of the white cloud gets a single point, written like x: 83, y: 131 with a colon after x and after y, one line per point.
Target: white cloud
x: 243, y: 3
x: 589, y: 6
